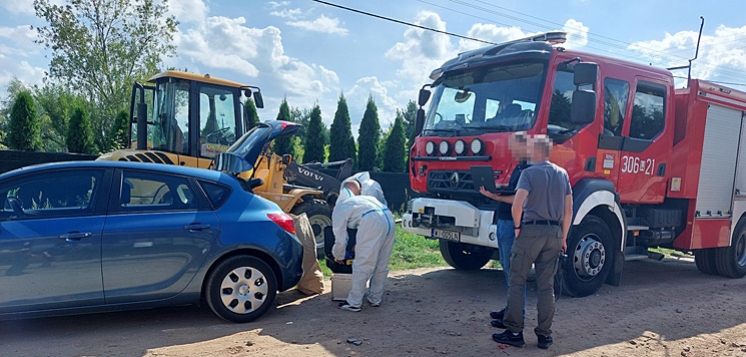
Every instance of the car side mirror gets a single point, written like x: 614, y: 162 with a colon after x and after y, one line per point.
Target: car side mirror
x: 583, y: 108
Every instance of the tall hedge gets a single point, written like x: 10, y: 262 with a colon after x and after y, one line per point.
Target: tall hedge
x: 394, y: 154
x: 250, y: 114
x: 342, y: 144
x: 79, y: 132
x: 368, y: 136
x: 315, y: 138
x: 24, y: 131
x: 284, y: 145
x: 119, y: 134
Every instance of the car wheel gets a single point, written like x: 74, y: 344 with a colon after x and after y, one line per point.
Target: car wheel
x: 241, y: 289
x: 731, y: 261
x: 465, y: 256
x: 319, y: 216
x: 590, y: 256
x: 705, y: 260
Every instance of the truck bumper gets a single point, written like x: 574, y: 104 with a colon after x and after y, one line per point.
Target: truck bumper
x: 430, y: 217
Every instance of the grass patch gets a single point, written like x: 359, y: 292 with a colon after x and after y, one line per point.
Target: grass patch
x: 669, y: 253
x: 410, y: 251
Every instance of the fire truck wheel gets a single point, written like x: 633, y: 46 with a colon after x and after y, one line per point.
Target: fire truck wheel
x: 731, y: 261
x: 465, y: 256
x: 320, y: 216
x: 590, y: 257
x: 705, y: 260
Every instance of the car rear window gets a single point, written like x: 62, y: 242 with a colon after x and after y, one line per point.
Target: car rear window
x: 217, y: 194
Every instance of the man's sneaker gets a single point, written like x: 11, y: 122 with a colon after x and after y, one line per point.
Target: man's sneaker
x: 346, y: 306
x: 509, y: 338
x: 374, y: 304
x: 498, y: 324
x: 498, y: 315
x: 544, y: 341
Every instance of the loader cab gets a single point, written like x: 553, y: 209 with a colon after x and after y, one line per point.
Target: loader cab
x: 189, y: 117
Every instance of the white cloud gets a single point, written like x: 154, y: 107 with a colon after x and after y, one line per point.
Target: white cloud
x: 276, y: 4
x: 187, y: 11
x: 357, y: 99
x: 722, y: 56
x: 287, y: 13
x: 22, y: 38
x: 323, y: 24
x: 577, y: 34
x: 25, y: 72
x: 491, y: 33
x: 421, y: 51
x: 226, y: 43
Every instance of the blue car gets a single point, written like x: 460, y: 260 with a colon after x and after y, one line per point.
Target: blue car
x: 102, y: 236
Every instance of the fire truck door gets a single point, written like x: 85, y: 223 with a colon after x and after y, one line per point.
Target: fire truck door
x: 646, y: 145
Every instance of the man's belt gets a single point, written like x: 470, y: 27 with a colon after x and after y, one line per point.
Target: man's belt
x: 542, y: 222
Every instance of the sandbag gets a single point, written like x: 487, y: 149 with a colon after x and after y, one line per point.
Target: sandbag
x: 312, y: 281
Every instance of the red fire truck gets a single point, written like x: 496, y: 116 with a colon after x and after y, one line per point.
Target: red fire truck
x: 650, y: 165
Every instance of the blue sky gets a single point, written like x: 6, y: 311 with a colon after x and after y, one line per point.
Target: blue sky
x: 310, y: 53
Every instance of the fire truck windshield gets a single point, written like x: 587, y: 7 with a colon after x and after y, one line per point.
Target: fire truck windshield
x: 486, y: 99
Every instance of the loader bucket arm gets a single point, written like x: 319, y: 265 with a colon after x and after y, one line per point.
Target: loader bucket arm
x: 303, y: 175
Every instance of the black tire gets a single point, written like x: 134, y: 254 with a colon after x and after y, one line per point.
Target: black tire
x: 705, y: 260
x: 224, y: 293
x: 731, y: 261
x: 465, y: 256
x: 319, y: 215
x: 590, y: 257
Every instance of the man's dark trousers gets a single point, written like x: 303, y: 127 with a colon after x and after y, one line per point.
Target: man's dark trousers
x: 538, y: 245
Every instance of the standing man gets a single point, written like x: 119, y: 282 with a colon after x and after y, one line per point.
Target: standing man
x: 542, y: 214
x: 518, y: 145
x: 374, y: 242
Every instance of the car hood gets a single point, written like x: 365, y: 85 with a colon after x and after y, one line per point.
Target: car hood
x: 242, y: 155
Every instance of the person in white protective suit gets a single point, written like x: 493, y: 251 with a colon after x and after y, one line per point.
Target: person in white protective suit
x: 368, y: 186
x: 375, y: 240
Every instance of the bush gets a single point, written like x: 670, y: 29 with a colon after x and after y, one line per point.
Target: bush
x: 79, y: 133
x: 24, y: 130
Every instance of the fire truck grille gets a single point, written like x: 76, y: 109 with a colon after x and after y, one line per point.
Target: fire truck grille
x: 450, y: 182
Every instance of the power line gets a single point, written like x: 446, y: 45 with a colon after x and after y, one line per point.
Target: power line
x: 404, y: 23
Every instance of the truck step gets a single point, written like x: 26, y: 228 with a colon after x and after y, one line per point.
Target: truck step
x: 631, y: 257
x: 637, y: 228
x: 635, y: 253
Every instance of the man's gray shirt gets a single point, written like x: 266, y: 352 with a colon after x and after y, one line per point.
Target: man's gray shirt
x: 547, y: 185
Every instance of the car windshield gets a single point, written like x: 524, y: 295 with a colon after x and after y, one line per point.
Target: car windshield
x: 488, y: 99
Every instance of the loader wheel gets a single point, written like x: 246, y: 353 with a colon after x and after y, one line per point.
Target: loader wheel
x: 731, y: 261
x: 705, y: 260
x: 590, y: 257
x: 465, y: 256
x: 320, y: 216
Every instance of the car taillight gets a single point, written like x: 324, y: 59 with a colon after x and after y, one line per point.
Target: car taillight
x: 283, y: 220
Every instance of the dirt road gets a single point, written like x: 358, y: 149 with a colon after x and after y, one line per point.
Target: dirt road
x: 661, y: 309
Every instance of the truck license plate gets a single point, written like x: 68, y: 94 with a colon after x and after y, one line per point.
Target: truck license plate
x: 447, y: 235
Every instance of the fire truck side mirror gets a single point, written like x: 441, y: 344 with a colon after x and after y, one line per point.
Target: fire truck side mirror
x: 419, y: 121
x: 583, y: 109
x: 585, y: 73
x: 424, y: 96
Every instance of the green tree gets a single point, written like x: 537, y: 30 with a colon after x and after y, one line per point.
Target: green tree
x: 284, y: 145
x: 79, y: 134
x: 342, y: 144
x: 100, y: 47
x: 368, y: 136
x: 395, y: 152
x: 250, y: 115
x: 119, y: 135
x: 410, y: 116
x: 314, y: 145
x: 55, y: 105
x: 23, y: 130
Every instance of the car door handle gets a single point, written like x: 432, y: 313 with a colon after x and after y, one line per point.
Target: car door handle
x: 75, y: 236
x: 197, y: 227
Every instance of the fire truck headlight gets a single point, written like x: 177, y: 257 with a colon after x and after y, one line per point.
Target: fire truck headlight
x: 477, y: 147
x: 430, y: 148
x: 444, y: 147
x: 459, y: 147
